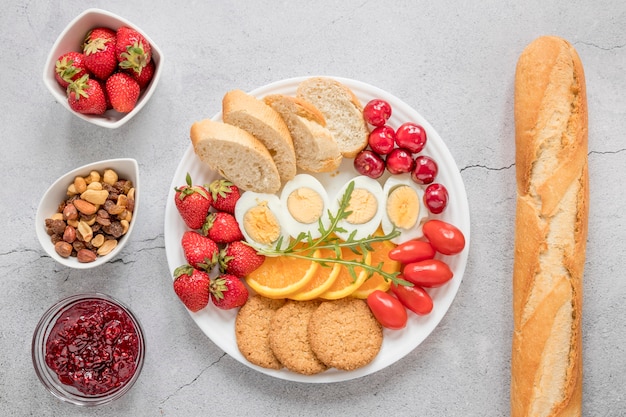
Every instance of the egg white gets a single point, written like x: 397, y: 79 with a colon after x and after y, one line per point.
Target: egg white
x: 414, y: 232
x: 368, y: 228
x: 293, y: 226
x: 251, y: 199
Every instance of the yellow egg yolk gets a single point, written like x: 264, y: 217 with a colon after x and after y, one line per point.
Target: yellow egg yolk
x: 363, y: 205
x: 403, y: 207
x: 261, y: 224
x: 305, y: 205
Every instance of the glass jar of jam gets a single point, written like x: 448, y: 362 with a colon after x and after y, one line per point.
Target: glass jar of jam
x: 88, y: 349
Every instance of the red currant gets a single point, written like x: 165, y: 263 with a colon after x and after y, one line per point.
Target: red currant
x: 425, y: 170
x: 436, y: 198
x: 411, y: 136
x: 399, y: 161
x: 376, y: 112
x: 382, y: 140
x: 369, y: 163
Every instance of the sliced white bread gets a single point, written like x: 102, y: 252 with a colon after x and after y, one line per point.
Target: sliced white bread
x: 341, y: 109
x: 236, y: 155
x: 316, y: 149
x: 264, y: 123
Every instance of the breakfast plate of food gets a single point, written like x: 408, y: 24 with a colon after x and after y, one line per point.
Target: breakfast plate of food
x: 358, y: 165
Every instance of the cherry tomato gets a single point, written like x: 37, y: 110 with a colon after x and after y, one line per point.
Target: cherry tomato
x: 444, y: 237
x: 429, y: 273
x: 387, y: 309
x: 412, y: 251
x: 414, y: 298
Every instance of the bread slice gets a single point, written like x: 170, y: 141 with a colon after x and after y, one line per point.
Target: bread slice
x: 236, y: 155
x: 265, y: 124
x: 316, y: 149
x: 341, y: 108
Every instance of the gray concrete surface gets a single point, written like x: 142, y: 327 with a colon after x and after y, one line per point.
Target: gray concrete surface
x: 453, y: 61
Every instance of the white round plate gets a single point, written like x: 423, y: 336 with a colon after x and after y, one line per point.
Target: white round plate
x: 218, y: 325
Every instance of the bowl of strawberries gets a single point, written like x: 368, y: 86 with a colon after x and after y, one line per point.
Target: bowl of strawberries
x: 102, y: 68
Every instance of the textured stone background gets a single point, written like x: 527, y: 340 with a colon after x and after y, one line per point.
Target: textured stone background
x: 452, y: 61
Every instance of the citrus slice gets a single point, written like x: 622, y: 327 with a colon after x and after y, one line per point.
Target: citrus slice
x: 321, y: 281
x: 279, y: 276
x: 345, y: 284
x: 376, y: 281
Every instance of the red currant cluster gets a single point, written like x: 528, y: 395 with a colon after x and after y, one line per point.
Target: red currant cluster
x: 398, y: 152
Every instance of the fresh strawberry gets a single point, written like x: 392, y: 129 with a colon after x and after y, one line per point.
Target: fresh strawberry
x: 146, y: 75
x: 133, y: 51
x: 99, y: 50
x: 225, y: 195
x: 192, y: 287
x: 239, y: 259
x: 193, y: 203
x: 85, y: 96
x: 123, y: 92
x: 222, y: 227
x: 200, y: 251
x: 228, y: 291
x: 69, y: 67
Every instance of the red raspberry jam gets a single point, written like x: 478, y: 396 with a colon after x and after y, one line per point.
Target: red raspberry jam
x: 93, y: 346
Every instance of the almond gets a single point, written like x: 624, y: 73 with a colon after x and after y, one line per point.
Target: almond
x: 85, y: 207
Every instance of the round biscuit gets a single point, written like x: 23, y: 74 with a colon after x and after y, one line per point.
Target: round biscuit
x: 344, y: 333
x: 289, y: 338
x: 252, y: 327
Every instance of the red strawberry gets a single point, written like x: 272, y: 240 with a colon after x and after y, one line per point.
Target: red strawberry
x: 132, y: 51
x: 123, y: 92
x: 200, y: 251
x: 192, y: 287
x: 99, y: 50
x: 85, y: 96
x: 146, y: 75
x: 228, y: 291
x: 225, y: 195
x: 222, y: 227
x: 69, y: 67
x: 239, y: 259
x: 193, y: 203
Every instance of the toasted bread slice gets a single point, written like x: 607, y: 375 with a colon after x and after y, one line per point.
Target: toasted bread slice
x: 265, y: 124
x: 316, y: 149
x: 341, y: 109
x: 236, y: 155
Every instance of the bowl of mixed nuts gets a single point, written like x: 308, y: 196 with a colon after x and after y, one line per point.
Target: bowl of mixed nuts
x: 86, y: 217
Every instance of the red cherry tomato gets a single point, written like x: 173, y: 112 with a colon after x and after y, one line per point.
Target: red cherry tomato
x: 412, y: 251
x: 429, y: 273
x: 387, y: 309
x: 444, y: 237
x: 414, y: 298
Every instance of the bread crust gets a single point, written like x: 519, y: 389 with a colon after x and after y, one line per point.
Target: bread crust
x: 550, y: 230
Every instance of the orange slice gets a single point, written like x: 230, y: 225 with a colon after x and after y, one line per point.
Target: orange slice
x: 279, y: 276
x: 376, y: 281
x: 345, y: 284
x: 321, y: 281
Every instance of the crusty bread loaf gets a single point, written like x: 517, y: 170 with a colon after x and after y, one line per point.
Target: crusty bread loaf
x: 316, y: 149
x: 236, y: 155
x: 551, y: 230
x: 265, y: 124
x: 341, y: 109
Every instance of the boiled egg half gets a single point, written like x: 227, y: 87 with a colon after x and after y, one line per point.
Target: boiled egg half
x: 404, y: 208
x: 259, y: 215
x: 305, y: 204
x: 366, y: 205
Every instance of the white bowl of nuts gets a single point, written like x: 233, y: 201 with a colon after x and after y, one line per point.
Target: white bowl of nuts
x: 86, y: 217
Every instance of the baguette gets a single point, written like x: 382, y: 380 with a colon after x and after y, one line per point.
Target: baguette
x: 236, y: 155
x: 550, y: 230
x: 265, y: 124
x: 341, y: 109
x: 316, y: 149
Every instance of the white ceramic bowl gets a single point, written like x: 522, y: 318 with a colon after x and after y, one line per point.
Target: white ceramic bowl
x: 126, y: 168
x: 71, y: 39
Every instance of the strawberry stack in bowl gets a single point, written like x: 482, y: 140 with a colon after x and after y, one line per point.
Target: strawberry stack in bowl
x: 103, y: 68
